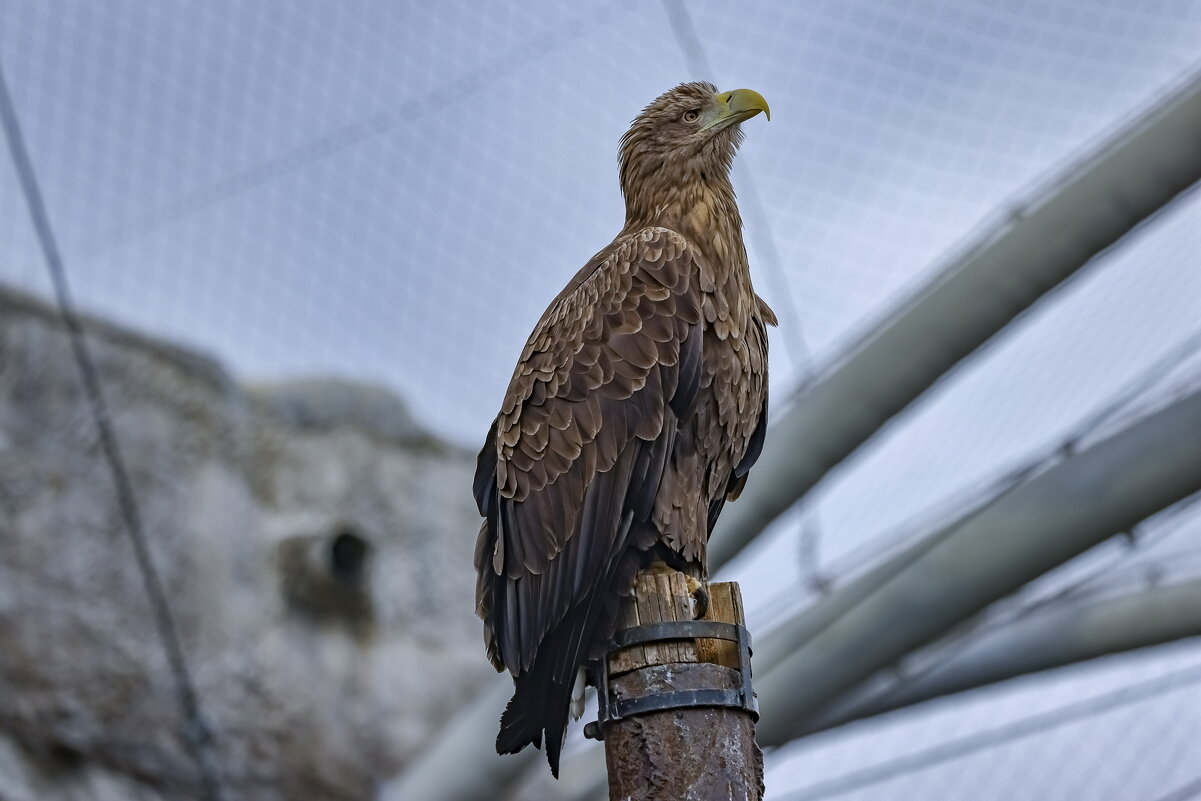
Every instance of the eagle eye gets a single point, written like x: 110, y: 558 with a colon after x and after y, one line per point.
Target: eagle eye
x: 691, y: 115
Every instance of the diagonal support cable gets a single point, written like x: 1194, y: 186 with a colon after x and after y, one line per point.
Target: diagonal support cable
x: 1135, y: 693
x: 1184, y: 792
x: 810, y: 531
x: 197, y: 733
x: 752, y: 205
x: 357, y: 132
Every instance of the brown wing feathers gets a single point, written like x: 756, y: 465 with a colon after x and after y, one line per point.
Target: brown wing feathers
x: 568, y: 481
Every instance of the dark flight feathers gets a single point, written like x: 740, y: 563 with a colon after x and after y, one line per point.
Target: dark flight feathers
x: 593, y: 412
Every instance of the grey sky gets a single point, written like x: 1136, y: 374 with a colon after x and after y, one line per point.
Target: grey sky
x: 393, y: 192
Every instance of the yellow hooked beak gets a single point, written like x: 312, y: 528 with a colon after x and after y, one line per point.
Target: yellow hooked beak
x: 736, y: 106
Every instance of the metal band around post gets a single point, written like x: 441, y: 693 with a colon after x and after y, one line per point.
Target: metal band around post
x: 681, y: 630
x: 742, y: 698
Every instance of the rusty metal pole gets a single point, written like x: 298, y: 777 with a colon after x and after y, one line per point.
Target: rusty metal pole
x: 705, y: 748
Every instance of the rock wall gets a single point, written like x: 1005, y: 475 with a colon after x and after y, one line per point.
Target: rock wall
x: 316, y: 549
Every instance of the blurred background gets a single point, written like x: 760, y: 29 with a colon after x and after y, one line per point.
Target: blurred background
x: 306, y: 242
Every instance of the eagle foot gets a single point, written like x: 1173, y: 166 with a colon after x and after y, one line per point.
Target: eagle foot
x: 700, y: 597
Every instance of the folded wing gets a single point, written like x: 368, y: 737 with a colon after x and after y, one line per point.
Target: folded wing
x: 568, y: 479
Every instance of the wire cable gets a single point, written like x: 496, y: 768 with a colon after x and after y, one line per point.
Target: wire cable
x: 810, y: 531
x: 356, y: 132
x: 1000, y: 735
x: 752, y: 205
x: 1184, y: 792
x: 197, y: 734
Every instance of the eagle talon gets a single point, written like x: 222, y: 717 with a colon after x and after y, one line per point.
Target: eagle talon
x: 700, y: 594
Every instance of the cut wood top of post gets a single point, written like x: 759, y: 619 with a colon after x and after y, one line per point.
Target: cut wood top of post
x: 662, y: 596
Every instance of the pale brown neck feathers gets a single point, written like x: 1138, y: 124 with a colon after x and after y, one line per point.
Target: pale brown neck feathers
x: 703, y: 210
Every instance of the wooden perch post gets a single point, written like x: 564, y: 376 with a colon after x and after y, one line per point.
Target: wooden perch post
x: 692, y: 753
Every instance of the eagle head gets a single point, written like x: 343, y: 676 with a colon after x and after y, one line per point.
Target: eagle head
x: 686, y: 135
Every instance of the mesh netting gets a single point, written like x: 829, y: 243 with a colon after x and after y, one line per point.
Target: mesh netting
x: 393, y: 192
